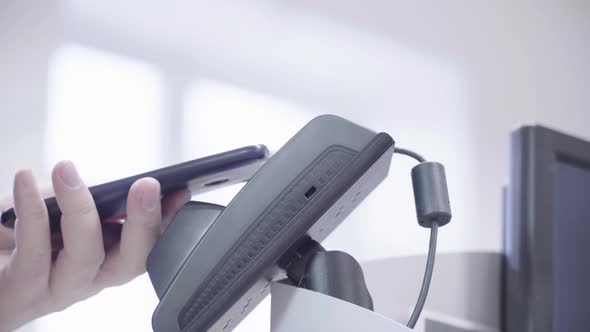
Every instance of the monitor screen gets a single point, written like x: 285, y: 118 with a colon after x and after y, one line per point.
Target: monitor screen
x: 572, y: 247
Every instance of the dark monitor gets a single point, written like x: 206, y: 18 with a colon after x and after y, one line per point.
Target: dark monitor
x: 547, y: 233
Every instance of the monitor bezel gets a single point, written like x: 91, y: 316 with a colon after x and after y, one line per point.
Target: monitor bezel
x: 530, y: 260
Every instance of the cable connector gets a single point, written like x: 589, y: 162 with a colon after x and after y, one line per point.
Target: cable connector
x: 431, y: 194
x: 433, y: 209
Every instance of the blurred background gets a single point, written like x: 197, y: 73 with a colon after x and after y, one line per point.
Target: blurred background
x: 121, y: 87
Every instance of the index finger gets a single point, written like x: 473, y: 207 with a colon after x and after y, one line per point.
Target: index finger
x: 32, y: 227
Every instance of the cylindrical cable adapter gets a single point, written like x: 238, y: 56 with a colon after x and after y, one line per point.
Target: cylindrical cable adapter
x: 431, y: 194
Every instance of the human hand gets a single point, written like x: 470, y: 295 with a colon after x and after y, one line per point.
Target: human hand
x: 6, y: 235
x: 34, y: 282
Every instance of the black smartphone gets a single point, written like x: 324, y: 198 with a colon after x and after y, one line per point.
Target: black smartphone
x: 199, y: 175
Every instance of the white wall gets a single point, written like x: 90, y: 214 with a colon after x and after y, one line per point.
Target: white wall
x: 450, y: 79
x: 518, y: 63
x: 27, y: 36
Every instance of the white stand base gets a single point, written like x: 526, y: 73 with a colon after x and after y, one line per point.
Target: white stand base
x: 295, y: 309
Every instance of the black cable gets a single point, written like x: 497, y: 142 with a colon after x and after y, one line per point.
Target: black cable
x: 431, y: 253
x: 410, y: 154
x: 427, y: 277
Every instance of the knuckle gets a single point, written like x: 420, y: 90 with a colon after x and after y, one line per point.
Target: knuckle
x: 61, y: 297
x: 37, y: 282
x: 85, y: 208
x: 76, y: 207
x: 150, y: 223
x: 60, y: 306
x: 34, y: 270
x: 139, y: 269
x: 125, y: 274
x: 87, y: 264
x: 88, y: 268
x: 38, y: 263
x: 131, y: 273
x: 55, y: 303
x: 96, y: 262
x: 35, y: 212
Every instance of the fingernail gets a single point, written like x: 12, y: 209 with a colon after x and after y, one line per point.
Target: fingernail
x: 150, y: 199
x: 25, y: 179
x: 68, y: 174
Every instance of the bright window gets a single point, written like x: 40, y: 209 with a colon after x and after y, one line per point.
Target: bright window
x: 104, y: 113
x: 223, y: 116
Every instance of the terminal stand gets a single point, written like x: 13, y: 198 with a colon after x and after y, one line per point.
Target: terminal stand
x: 295, y: 309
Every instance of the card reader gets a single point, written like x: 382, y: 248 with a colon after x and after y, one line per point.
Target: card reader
x: 213, y: 265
